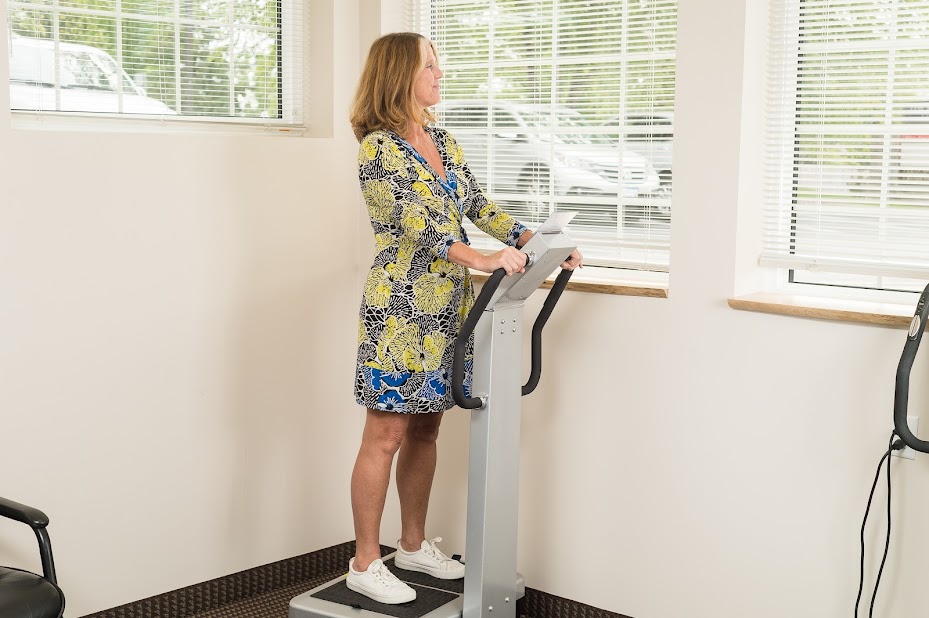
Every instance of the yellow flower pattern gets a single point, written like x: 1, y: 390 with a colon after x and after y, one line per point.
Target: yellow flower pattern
x: 497, y: 224
x: 400, y: 337
x: 414, y: 218
x: 395, y: 339
x: 422, y: 172
x: 394, y: 160
x: 427, y: 355
x: 422, y: 188
x: 367, y: 152
x: 379, y: 196
x: 380, y: 283
x: 377, y: 288
x: 454, y: 150
x: 432, y: 291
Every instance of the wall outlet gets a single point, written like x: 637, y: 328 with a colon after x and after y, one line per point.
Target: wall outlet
x: 906, y: 452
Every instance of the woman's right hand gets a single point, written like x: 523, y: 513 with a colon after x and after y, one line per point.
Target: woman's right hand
x: 510, y: 259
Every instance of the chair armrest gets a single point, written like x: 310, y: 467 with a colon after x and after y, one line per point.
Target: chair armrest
x: 20, y: 512
x: 37, y: 520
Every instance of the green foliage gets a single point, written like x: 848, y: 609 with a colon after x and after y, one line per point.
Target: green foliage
x: 611, y: 55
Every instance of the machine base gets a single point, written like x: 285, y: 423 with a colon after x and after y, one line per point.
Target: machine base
x: 435, y: 598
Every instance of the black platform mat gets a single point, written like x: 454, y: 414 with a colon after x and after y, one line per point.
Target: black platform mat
x: 421, y: 579
x: 427, y: 599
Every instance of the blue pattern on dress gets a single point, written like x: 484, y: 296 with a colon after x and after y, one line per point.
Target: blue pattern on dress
x: 391, y: 401
x: 376, y: 376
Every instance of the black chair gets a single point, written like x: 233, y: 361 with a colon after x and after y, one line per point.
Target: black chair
x: 24, y: 594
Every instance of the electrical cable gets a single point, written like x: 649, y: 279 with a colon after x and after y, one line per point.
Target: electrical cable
x: 892, y: 446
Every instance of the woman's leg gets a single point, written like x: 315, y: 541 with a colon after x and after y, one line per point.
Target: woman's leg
x: 415, y: 471
x: 383, y: 434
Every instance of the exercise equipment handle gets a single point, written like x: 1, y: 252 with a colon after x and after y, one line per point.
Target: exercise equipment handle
x: 461, y: 343
x: 561, y: 281
x: 901, y: 394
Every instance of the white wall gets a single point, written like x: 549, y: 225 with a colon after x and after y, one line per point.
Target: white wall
x: 177, y: 324
x: 182, y: 349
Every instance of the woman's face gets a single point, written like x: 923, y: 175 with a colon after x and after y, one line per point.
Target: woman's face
x: 426, y: 85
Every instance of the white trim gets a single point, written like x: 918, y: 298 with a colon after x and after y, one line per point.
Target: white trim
x: 116, y: 123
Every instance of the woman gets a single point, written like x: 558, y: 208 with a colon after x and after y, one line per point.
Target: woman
x: 418, y: 188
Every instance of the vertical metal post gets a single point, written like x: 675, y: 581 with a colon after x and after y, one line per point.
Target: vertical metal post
x: 493, y: 473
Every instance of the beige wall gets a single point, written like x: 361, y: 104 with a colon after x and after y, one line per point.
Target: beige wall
x: 177, y: 332
x: 177, y: 337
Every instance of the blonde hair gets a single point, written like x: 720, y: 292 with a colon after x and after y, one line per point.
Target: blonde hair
x: 385, y: 97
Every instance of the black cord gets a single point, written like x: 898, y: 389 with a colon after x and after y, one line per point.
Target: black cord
x: 880, y: 571
x: 865, y: 521
x: 892, y: 446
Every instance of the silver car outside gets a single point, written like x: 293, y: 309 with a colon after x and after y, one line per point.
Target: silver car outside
x: 88, y: 80
x: 513, y: 148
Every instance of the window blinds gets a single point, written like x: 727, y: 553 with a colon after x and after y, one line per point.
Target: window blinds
x: 565, y: 105
x: 847, y: 175
x: 207, y: 59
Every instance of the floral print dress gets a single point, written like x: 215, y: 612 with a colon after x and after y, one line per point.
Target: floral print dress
x: 415, y: 300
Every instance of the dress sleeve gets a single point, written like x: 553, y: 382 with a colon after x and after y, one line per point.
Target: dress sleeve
x: 486, y: 215
x: 400, y: 202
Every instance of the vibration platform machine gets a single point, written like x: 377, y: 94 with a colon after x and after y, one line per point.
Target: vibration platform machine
x: 491, y: 586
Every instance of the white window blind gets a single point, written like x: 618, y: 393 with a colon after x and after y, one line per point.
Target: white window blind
x: 229, y: 60
x: 847, y: 177
x: 565, y: 105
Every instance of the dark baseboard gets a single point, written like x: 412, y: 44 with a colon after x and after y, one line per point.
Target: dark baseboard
x: 264, y: 591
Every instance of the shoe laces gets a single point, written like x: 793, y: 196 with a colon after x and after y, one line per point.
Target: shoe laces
x: 434, y: 551
x: 383, y: 576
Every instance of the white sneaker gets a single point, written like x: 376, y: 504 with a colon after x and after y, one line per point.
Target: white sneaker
x: 430, y: 560
x: 379, y: 583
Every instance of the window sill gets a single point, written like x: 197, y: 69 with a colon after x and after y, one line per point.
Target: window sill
x: 604, y: 281
x: 114, y: 123
x: 844, y: 310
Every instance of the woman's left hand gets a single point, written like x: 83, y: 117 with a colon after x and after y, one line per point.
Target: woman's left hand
x: 575, y: 260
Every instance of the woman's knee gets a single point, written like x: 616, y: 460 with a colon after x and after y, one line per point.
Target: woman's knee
x: 385, y: 431
x: 424, y: 427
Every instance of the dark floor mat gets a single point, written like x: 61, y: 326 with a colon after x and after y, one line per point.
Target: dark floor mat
x: 274, y: 604
x: 265, y: 592
x: 427, y: 599
x: 421, y: 579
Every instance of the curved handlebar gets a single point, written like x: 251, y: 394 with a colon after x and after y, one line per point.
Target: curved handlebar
x: 901, y: 393
x: 470, y: 323
x: 557, y: 288
x: 461, y: 343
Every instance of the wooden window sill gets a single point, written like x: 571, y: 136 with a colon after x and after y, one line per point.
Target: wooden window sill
x: 864, y: 312
x: 580, y: 283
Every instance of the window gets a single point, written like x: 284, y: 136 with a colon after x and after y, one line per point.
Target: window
x: 236, y: 60
x: 847, y: 176
x: 565, y: 105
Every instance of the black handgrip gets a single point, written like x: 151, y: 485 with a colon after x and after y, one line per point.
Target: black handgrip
x: 561, y: 281
x: 461, y: 343
x: 902, y: 391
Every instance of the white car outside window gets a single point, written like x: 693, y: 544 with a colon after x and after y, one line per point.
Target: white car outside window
x: 87, y: 80
x: 538, y: 152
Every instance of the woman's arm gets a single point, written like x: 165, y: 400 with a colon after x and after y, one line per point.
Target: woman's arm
x: 510, y: 259
x: 480, y: 209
